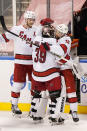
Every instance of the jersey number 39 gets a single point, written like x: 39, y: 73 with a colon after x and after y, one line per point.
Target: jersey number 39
x: 40, y: 56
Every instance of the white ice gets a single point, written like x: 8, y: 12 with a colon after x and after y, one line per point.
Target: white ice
x: 10, y: 123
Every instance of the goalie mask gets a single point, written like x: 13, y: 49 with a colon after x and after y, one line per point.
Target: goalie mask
x: 46, y: 21
x: 48, y: 31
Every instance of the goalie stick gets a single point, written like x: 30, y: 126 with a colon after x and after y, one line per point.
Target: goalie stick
x: 76, y: 67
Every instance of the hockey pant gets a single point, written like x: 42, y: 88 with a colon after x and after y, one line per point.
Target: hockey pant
x: 20, y: 72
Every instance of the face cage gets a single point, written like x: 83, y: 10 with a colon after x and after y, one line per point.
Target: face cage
x: 49, y: 34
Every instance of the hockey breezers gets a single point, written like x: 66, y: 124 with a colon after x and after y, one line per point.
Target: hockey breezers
x: 76, y: 67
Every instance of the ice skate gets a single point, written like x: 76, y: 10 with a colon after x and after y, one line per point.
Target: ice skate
x: 74, y: 116
x: 30, y: 114
x: 53, y: 121
x: 37, y: 120
x: 61, y: 120
x: 16, y: 111
x: 56, y: 121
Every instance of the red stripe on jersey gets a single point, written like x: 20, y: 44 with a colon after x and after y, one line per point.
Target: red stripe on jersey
x: 63, y: 61
x: 5, y: 38
x: 72, y: 100
x: 47, y: 72
x: 64, y: 47
x: 23, y: 57
x: 15, y: 95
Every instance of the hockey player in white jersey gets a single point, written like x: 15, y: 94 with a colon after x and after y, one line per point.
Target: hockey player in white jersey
x: 46, y: 74
x: 22, y: 54
x: 65, y: 43
x: 66, y: 70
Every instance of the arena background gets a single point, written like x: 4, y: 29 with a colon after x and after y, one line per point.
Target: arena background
x: 70, y: 12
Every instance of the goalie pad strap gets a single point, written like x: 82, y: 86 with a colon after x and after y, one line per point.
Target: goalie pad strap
x: 33, y: 110
x: 33, y: 104
x: 51, y: 112
x: 53, y: 106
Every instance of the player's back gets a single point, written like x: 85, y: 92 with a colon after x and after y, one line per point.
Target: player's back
x: 44, y: 61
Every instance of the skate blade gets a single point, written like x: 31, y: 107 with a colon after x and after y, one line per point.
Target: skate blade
x: 56, y: 123
x: 38, y: 121
x: 76, y: 122
x: 16, y: 115
x: 53, y: 123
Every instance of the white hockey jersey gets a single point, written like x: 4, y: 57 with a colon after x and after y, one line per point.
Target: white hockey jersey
x: 44, y: 66
x: 65, y: 43
x: 22, y: 50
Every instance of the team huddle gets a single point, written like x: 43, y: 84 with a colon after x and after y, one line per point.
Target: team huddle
x: 38, y: 52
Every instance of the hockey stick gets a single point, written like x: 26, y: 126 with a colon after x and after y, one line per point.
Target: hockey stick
x: 5, y: 28
x: 75, y: 66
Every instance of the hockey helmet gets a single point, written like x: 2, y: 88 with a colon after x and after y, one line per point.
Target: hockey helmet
x: 62, y: 28
x: 29, y: 14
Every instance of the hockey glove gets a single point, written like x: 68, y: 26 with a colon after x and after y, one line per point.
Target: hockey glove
x: 44, y: 46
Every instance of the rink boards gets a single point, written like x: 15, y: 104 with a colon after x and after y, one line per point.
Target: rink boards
x: 6, y: 83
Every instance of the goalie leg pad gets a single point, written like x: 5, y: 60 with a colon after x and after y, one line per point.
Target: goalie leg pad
x: 34, y: 107
x: 34, y: 102
x: 56, y: 106
x: 42, y: 105
x: 55, y: 111
x: 35, y: 112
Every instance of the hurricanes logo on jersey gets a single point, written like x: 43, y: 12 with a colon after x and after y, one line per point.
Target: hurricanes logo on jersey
x: 24, y: 37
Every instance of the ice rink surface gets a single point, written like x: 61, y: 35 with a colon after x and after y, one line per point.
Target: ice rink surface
x: 10, y: 123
